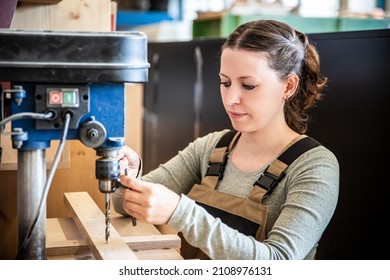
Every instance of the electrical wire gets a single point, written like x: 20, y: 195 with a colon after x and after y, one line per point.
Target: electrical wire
x: 42, y: 202
x: 25, y: 115
x: 3, y: 122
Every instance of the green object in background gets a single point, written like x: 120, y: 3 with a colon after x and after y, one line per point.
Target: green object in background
x: 221, y: 27
x: 350, y: 24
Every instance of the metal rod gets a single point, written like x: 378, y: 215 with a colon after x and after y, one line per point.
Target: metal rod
x: 31, y: 182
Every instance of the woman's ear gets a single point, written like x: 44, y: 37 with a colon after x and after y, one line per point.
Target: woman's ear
x: 291, y: 85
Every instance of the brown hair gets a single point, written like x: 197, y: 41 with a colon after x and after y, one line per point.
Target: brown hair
x: 289, y: 51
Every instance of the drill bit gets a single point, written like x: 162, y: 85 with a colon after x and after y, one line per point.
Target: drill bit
x: 108, y: 220
x: 107, y: 172
x: 108, y: 210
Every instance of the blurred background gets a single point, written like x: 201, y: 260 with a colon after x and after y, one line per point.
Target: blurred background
x: 165, y: 20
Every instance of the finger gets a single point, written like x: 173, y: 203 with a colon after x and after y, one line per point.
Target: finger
x: 130, y: 154
x: 132, y: 196
x: 132, y: 204
x: 123, y: 165
x: 133, y: 209
x: 136, y: 184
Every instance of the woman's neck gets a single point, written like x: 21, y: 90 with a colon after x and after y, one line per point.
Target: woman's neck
x: 255, y: 150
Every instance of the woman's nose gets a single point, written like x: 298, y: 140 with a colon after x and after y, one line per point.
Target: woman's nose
x: 233, y: 96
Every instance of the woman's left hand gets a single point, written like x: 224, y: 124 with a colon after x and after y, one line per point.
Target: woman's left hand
x: 130, y: 162
x: 149, y: 202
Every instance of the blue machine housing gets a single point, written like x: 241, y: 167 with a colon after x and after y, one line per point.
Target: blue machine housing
x: 98, y: 64
x: 106, y: 105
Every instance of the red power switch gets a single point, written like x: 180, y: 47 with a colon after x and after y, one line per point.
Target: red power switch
x: 55, y: 98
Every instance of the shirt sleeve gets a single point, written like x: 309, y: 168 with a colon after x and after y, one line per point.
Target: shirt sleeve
x: 182, y: 171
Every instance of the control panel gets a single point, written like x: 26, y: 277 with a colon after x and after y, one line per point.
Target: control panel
x: 61, y: 99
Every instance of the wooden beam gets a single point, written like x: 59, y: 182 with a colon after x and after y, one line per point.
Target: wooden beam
x: 66, y: 247
x: 153, y: 242
x: 64, y: 240
x: 136, y: 243
x: 91, y: 223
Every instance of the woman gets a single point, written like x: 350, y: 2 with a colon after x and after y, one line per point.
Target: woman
x: 270, y: 77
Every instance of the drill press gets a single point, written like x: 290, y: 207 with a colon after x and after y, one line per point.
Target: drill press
x: 65, y: 86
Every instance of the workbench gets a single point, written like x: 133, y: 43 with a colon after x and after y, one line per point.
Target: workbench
x: 81, y: 236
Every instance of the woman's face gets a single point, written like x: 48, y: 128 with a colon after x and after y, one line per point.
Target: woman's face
x: 251, y: 92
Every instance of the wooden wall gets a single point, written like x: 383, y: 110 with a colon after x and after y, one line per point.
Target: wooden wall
x: 79, y: 175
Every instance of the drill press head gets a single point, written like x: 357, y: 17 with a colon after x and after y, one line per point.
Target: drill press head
x: 81, y: 73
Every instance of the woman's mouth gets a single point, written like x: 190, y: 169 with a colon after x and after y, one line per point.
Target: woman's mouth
x: 236, y: 115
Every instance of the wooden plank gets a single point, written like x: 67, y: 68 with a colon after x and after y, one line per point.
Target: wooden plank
x: 64, y: 238
x: 160, y: 254
x: 124, y: 226
x: 153, y: 242
x: 90, y: 220
x: 67, y: 247
x: 75, y: 15
x: 137, y: 243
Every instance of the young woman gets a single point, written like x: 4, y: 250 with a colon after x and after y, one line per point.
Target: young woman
x: 269, y: 78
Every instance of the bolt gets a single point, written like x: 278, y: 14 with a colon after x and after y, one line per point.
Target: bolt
x: 17, y: 144
x: 18, y: 101
x: 92, y: 133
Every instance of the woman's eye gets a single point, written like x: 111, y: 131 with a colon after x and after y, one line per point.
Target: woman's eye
x: 225, y: 84
x: 248, y: 87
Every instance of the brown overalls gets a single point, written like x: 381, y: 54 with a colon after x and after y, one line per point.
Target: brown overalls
x: 247, y: 215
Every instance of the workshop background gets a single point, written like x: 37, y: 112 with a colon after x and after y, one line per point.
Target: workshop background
x: 181, y: 99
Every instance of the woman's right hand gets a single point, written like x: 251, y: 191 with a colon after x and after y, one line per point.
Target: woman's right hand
x: 149, y: 202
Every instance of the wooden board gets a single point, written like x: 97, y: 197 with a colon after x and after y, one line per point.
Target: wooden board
x: 90, y: 220
x: 75, y: 15
x: 65, y: 239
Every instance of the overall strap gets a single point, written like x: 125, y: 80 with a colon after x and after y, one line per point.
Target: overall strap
x: 275, y: 172
x: 218, y: 158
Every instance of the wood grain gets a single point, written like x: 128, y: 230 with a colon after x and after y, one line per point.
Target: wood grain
x: 90, y: 220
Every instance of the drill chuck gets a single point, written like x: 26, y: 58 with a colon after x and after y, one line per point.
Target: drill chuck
x: 107, y: 172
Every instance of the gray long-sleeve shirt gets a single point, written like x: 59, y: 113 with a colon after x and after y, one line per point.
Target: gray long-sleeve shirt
x: 300, y: 208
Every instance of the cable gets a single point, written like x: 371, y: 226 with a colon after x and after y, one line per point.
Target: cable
x: 42, y: 202
x: 38, y: 116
